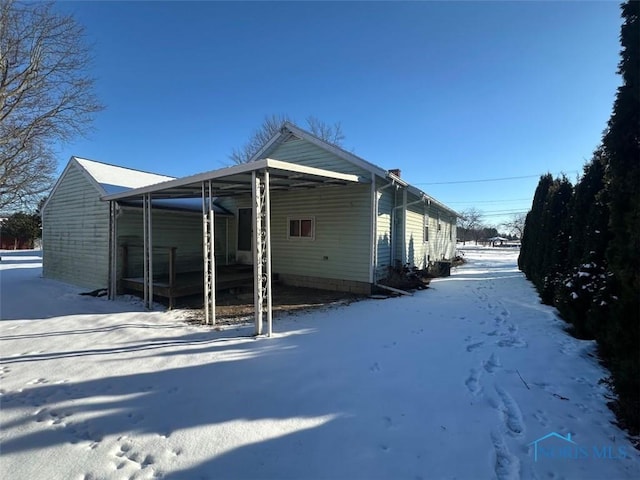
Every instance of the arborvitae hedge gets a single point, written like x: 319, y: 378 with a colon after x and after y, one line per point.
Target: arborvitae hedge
x: 581, y: 245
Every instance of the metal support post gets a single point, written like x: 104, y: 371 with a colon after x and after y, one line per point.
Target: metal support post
x: 256, y: 215
x: 208, y: 253
x: 267, y: 251
x: 113, y: 250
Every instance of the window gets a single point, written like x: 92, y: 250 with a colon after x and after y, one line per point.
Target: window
x: 425, y: 224
x: 302, y: 228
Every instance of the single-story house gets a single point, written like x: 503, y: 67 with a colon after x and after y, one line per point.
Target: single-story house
x: 303, y: 209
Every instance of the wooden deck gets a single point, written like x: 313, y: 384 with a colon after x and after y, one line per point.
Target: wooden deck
x: 192, y: 283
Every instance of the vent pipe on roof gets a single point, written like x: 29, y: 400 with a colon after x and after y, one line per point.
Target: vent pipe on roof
x: 395, y: 171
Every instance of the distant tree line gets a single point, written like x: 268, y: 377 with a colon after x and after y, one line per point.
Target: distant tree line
x: 20, y: 230
x: 581, y: 243
x: 471, y: 227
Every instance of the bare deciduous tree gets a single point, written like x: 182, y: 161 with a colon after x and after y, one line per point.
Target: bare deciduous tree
x: 515, y: 225
x: 470, y: 222
x: 273, y: 123
x: 46, y: 96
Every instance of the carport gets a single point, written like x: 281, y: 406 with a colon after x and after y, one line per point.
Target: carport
x: 257, y: 179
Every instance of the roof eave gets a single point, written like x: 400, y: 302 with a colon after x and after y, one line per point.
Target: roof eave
x: 256, y: 165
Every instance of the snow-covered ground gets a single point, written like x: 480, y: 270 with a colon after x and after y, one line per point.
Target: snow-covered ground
x: 457, y: 381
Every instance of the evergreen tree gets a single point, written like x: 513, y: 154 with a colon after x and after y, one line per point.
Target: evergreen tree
x: 22, y: 227
x: 555, y: 238
x: 530, y: 250
x: 582, y: 292
x: 581, y: 246
x: 621, y: 143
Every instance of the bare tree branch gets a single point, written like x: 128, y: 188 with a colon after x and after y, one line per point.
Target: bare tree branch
x: 273, y: 123
x: 46, y: 96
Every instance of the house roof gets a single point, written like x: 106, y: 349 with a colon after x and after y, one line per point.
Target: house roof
x: 288, y: 129
x: 112, y: 179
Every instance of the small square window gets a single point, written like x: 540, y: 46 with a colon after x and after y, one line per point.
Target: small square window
x: 302, y: 228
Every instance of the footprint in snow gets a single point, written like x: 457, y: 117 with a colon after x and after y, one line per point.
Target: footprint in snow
x: 388, y: 422
x: 507, y: 465
x: 473, y: 382
x: 512, y: 341
x: 492, y: 364
x: 541, y: 417
x: 38, y: 381
x: 511, y: 412
x: 135, y: 418
x: 473, y: 346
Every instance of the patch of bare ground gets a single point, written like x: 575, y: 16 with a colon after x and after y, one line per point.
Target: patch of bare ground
x: 236, y: 307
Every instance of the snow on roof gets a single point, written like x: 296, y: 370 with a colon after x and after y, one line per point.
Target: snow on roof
x: 115, y: 179
x: 182, y: 204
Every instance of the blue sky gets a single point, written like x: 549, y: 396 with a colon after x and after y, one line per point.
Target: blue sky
x: 445, y: 91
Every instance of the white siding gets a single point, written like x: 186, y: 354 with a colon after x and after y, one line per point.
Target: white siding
x: 75, y: 233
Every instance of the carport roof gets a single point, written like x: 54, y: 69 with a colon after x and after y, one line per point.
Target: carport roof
x: 236, y: 180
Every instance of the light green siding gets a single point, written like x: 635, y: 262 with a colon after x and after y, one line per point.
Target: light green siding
x: 341, y: 247
x: 415, y: 250
x: 442, y: 234
x: 302, y: 152
x: 75, y: 231
x: 416, y: 247
x: 399, y: 249
x: 384, y: 232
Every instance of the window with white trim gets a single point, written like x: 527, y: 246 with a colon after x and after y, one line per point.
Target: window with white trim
x: 301, y: 228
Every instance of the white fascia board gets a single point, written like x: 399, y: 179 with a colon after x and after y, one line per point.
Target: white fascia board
x: 319, y: 172
x: 180, y: 182
x: 235, y: 170
x: 396, y: 179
